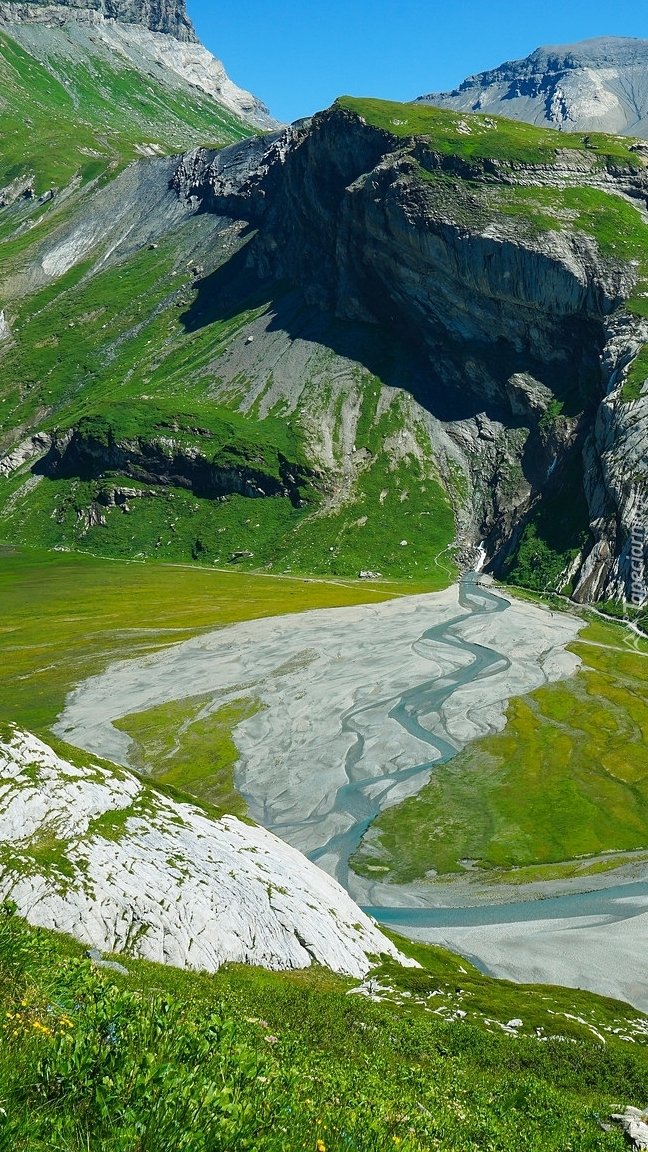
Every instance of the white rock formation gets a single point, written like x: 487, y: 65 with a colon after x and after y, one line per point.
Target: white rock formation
x: 98, y: 854
x: 634, y: 1124
x: 34, y: 448
x: 193, y: 63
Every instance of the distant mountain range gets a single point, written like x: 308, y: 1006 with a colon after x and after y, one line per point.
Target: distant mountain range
x: 598, y: 85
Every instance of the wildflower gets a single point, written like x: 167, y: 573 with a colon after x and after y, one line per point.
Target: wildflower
x: 320, y: 1146
x: 271, y: 1039
x: 41, y: 1027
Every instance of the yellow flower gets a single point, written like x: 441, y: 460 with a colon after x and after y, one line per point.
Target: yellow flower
x: 41, y: 1027
x: 320, y: 1146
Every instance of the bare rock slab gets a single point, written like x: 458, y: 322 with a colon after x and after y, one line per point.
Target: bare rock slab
x: 98, y: 854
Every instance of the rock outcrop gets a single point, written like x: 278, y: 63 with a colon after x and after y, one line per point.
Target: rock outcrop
x: 98, y: 854
x: 598, y: 85
x: 169, y: 16
x: 516, y: 322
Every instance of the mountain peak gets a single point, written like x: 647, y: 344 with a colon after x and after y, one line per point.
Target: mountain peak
x: 597, y: 85
x: 168, y: 16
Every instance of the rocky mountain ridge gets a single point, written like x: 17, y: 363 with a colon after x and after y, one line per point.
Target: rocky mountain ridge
x: 598, y: 85
x: 167, y: 16
x: 515, y: 321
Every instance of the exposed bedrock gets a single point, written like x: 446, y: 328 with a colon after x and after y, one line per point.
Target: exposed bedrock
x: 165, y: 462
x: 168, y: 16
x: 522, y: 328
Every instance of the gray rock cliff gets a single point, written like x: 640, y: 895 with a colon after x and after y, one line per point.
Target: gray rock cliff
x: 168, y: 16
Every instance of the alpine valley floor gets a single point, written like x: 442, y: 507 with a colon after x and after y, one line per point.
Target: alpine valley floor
x: 347, y: 712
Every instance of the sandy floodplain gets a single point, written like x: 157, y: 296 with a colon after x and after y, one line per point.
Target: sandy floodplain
x: 356, y: 706
x: 605, y: 952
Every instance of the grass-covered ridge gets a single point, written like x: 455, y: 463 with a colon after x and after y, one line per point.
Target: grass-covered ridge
x: 251, y: 1060
x: 566, y: 780
x: 616, y: 225
x: 479, y: 136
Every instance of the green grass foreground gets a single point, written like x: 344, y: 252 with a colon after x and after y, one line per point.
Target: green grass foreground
x: 245, y: 1060
x: 565, y: 780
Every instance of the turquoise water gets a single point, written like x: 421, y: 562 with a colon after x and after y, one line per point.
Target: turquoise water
x: 604, y: 903
x: 359, y: 797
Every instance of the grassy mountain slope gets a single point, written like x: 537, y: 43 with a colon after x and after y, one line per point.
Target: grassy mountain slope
x: 132, y: 337
x: 85, y: 119
x: 161, y: 1058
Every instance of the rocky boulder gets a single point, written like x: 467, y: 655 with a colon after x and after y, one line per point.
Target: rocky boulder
x: 95, y: 852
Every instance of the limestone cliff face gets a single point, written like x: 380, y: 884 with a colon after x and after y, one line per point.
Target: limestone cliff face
x: 516, y: 322
x: 168, y: 16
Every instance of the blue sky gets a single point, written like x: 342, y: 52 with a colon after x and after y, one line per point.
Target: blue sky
x: 298, y: 55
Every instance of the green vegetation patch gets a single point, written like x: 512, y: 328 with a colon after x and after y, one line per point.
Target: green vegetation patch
x: 397, y: 520
x: 186, y: 745
x: 553, y: 536
x: 618, y: 228
x: 634, y: 383
x: 567, y: 778
x: 65, y: 617
x: 248, y: 1059
x: 474, y: 135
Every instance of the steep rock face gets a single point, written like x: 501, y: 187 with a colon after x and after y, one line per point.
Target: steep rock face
x: 516, y: 322
x: 122, y: 868
x: 598, y: 85
x: 616, y: 471
x: 168, y: 16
